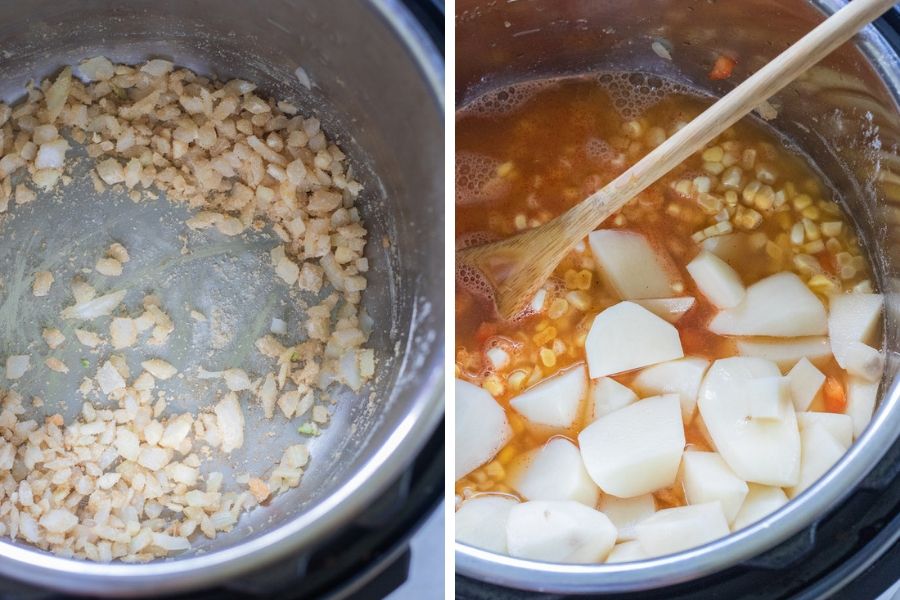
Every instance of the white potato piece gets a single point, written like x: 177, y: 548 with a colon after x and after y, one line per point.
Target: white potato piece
x: 481, y: 427
x: 627, y: 336
x: 553, y: 402
x: 637, y: 449
x: 819, y: 452
x: 561, y: 532
x: 864, y: 361
x: 675, y: 529
x: 626, y: 552
x: 853, y: 318
x: 481, y: 521
x: 787, y: 352
x: 839, y: 426
x: 708, y: 478
x: 805, y: 381
x: 630, y: 265
x: 554, y: 472
x: 608, y: 395
x: 716, y: 280
x: 761, y: 500
x: 861, y: 398
x: 759, y: 451
x: 767, y: 397
x: 682, y: 377
x: 670, y: 309
x: 626, y: 513
x: 779, y: 306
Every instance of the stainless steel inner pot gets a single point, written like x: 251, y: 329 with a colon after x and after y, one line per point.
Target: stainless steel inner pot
x: 376, y: 84
x: 842, y: 113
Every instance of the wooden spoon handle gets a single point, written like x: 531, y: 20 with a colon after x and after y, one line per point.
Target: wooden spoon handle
x: 584, y: 217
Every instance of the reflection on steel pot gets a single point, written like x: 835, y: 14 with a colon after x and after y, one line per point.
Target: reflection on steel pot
x: 373, y: 78
x: 842, y: 113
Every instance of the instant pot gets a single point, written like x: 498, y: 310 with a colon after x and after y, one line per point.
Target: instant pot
x: 840, y: 537
x: 372, y: 72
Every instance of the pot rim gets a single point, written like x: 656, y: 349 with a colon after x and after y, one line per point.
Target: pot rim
x: 33, y: 566
x: 882, y: 432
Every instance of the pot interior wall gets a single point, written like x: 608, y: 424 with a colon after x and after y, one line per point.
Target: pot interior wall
x: 842, y: 113
x: 374, y: 101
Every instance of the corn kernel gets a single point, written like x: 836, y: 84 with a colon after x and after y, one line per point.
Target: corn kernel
x: 507, y: 454
x: 479, y: 476
x: 709, y: 204
x: 766, y: 173
x: 811, y: 229
x: 821, y: 284
x: 764, y: 198
x: 814, y: 247
x: 747, y: 218
x: 732, y: 177
x: 570, y: 277
x: 580, y: 339
x: 493, y: 385
x: 516, y: 379
x: 698, y: 236
x: 713, y: 154
x: 713, y: 168
x: 520, y: 222
x: 749, y: 192
x: 863, y: 287
x: 505, y: 169
x: 544, y: 336
x: 848, y: 272
x: 619, y: 220
x: 584, y: 279
x: 633, y: 129
x: 683, y: 187
x: 702, y: 184
x: 548, y: 357
x: 810, y: 212
x: 673, y: 210
x: 748, y: 158
x: 797, y: 234
x: 495, y: 470
x: 832, y: 228
x: 655, y: 136
x: 559, y: 347
x: 579, y: 300
x: 731, y: 198
x: 558, y: 309
x: 833, y: 246
x: 773, y: 250
x: 801, y: 201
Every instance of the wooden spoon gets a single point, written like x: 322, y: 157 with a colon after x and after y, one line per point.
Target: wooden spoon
x: 516, y: 267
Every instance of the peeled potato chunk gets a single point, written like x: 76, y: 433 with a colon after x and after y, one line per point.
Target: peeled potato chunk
x: 631, y: 265
x: 839, y: 426
x: 559, y: 531
x: 481, y: 521
x: 763, y: 451
x: 787, y: 352
x: 626, y: 513
x: 761, y: 500
x: 680, y: 377
x: 554, y: 472
x: 779, y: 306
x: 819, y: 452
x: 670, y: 309
x: 805, y: 381
x: 627, y: 336
x: 637, y: 449
x: 708, y: 478
x: 481, y: 427
x: 852, y: 318
x: 554, y: 402
x: 716, y: 280
x: 675, y: 529
x: 626, y: 552
x: 608, y: 395
x: 861, y: 397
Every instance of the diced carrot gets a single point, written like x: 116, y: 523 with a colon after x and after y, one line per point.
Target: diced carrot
x: 833, y: 393
x: 485, y: 330
x: 722, y: 67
